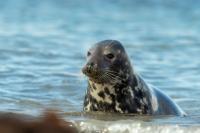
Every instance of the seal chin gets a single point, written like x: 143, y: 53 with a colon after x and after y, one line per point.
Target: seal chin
x: 100, y: 80
x: 95, y: 80
x: 93, y: 75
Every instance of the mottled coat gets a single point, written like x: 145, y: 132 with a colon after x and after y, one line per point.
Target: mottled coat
x: 113, y: 86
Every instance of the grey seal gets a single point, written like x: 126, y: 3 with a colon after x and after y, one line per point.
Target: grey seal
x: 114, y: 86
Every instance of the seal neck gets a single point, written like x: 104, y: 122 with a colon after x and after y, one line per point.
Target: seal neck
x: 129, y: 96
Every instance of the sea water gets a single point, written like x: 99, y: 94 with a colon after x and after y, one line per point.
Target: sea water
x: 43, y: 44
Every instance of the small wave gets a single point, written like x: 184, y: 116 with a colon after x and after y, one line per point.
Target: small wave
x: 132, y: 127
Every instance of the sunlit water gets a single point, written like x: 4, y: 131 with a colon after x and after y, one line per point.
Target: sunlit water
x: 43, y: 46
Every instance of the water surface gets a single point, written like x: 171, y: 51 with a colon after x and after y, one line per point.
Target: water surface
x: 43, y: 46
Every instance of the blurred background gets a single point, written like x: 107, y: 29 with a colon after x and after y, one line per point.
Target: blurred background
x: 43, y: 45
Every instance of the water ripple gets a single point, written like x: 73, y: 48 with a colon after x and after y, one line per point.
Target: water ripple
x: 43, y: 46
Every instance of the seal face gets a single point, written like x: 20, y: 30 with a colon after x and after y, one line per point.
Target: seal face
x: 113, y: 86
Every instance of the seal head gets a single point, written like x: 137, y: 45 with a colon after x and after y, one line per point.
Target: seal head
x: 105, y: 61
x: 111, y: 81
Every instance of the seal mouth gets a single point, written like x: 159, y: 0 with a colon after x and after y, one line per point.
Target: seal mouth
x: 101, y: 76
x: 89, y: 72
x: 93, y: 75
x: 96, y: 80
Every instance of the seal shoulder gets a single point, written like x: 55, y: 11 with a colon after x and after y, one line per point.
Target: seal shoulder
x: 166, y: 105
x: 161, y: 104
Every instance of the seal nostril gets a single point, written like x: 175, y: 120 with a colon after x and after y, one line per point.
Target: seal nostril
x: 89, y: 70
x: 92, y: 64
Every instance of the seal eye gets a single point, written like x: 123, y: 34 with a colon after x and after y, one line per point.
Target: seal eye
x: 110, y: 56
x: 88, y: 53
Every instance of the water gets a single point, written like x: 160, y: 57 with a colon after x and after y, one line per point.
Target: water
x: 43, y: 46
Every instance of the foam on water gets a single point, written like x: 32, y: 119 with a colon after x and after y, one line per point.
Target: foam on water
x: 129, y: 126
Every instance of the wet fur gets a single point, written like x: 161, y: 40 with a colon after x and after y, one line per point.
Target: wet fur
x: 128, y: 94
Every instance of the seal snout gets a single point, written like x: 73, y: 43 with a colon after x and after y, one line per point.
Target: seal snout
x: 90, y: 69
